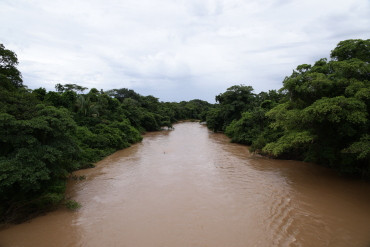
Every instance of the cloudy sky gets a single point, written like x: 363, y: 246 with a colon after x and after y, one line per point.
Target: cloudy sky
x: 174, y: 49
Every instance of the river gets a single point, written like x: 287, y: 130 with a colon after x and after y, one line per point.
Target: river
x: 191, y: 187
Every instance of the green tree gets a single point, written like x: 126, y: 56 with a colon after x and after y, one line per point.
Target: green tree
x: 232, y: 103
x: 10, y: 77
x: 69, y: 87
x: 352, y: 48
x: 235, y: 100
x: 37, y: 154
x: 326, y: 116
x: 86, y: 107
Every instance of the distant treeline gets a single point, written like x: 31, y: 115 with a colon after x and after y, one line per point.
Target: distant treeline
x: 321, y: 115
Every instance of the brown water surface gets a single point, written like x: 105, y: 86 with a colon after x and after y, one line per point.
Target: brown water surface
x: 191, y: 187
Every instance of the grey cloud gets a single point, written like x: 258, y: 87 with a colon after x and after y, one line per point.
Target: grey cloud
x: 175, y: 50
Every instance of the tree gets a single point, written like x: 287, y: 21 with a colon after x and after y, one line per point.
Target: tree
x: 352, y: 48
x: 69, y: 87
x: 74, y: 87
x: 215, y: 120
x: 248, y: 127
x: 232, y: 103
x: 10, y: 77
x: 86, y: 107
x: 37, y: 154
x: 239, y: 98
x: 326, y: 117
x: 60, y: 88
x: 40, y: 93
x: 124, y: 93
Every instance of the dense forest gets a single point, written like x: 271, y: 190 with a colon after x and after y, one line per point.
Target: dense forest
x: 46, y: 135
x: 321, y: 115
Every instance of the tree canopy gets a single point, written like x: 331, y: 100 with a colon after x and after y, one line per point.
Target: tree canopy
x: 321, y: 114
x: 44, y: 135
x: 10, y: 77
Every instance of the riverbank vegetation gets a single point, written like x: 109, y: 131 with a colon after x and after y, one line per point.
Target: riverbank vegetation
x: 45, y: 135
x: 321, y: 115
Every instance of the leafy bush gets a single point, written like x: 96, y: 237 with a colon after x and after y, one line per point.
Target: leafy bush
x: 72, y: 205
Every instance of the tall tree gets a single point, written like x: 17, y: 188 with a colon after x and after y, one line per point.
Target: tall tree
x: 10, y: 77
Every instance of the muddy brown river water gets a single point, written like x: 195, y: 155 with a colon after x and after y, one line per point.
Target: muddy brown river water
x: 191, y: 187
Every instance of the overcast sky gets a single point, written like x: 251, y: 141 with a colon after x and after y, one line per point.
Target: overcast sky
x: 174, y: 49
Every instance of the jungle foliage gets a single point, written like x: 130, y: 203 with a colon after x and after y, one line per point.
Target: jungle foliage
x: 45, y: 135
x: 321, y: 114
